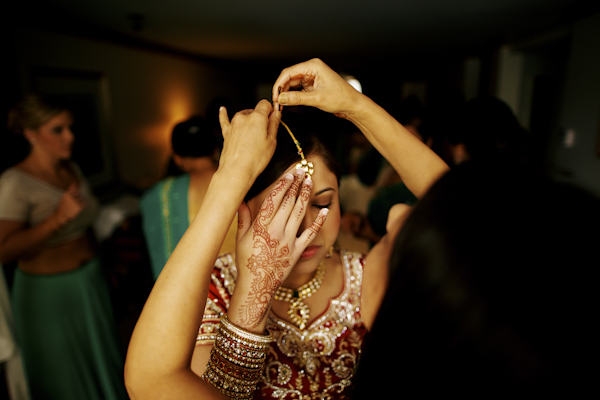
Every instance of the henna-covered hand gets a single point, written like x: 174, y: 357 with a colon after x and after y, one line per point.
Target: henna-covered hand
x: 268, y: 249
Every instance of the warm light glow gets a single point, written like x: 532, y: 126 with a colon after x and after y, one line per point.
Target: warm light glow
x: 179, y: 109
x: 354, y: 83
x: 177, y: 105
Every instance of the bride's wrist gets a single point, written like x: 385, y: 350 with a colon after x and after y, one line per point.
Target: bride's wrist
x: 238, y: 312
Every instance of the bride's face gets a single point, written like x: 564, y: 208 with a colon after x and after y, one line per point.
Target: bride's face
x: 324, y: 195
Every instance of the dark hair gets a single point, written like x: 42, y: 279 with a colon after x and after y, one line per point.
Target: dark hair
x: 490, y: 127
x: 491, y: 287
x: 194, y: 138
x: 33, y: 111
x: 306, y: 128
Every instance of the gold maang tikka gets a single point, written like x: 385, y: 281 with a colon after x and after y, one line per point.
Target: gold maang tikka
x: 306, y: 165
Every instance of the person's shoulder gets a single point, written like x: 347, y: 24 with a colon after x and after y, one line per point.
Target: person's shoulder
x: 11, y: 173
x: 12, y: 178
x: 155, y: 191
x: 16, y: 191
x: 166, y: 183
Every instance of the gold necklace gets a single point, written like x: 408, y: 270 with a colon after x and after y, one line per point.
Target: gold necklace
x: 298, y: 311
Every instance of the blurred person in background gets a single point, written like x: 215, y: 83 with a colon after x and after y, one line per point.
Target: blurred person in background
x: 62, y: 308
x: 168, y: 207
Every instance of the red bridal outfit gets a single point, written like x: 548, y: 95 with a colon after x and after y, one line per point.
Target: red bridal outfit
x: 317, y: 362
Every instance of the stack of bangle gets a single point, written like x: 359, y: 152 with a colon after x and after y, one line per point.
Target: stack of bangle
x: 237, y: 360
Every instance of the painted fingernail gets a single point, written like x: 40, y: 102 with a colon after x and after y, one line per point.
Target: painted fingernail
x: 289, y: 177
x: 325, y: 211
x: 308, y: 181
x: 283, y: 98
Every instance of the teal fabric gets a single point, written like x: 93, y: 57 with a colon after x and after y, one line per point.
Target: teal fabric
x: 67, y: 335
x: 153, y: 220
x: 380, y: 205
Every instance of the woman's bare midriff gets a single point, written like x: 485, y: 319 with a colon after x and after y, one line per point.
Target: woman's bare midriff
x: 62, y: 258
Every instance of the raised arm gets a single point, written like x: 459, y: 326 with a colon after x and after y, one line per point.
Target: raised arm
x: 160, y: 351
x: 161, y: 348
x: 323, y: 88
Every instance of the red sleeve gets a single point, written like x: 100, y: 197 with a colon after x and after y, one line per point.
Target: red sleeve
x: 219, y: 293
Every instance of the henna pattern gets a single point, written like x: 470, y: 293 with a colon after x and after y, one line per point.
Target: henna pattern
x: 291, y: 193
x: 316, y: 226
x: 267, y: 266
x: 304, y: 197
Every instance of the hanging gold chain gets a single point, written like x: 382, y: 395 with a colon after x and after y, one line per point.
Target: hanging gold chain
x: 306, y: 165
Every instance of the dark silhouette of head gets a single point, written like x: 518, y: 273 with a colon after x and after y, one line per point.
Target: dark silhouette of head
x: 490, y: 128
x: 490, y: 289
x: 194, y: 138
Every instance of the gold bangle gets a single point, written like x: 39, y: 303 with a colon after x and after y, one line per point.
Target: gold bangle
x: 237, y: 360
x: 230, y: 387
x: 244, y: 363
x: 244, y: 334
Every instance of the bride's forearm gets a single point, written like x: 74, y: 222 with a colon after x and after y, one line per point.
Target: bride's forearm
x: 158, y: 363
x: 162, y: 342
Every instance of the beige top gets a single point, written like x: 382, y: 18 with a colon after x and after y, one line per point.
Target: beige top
x: 23, y: 197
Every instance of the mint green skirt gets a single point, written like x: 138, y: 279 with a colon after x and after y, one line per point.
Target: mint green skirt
x: 67, y: 335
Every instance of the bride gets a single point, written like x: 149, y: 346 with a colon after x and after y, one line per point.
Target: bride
x: 288, y: 315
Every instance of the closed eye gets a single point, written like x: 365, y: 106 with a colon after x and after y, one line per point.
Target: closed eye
x: 319, y: 199
x: 319, y: 206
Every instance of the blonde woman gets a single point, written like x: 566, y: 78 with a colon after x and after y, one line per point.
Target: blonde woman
x: 61, y: 303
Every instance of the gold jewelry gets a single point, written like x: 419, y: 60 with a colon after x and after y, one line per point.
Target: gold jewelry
x: 254, y: 339
x: 306, y: 165
x: 298, y: 311
x: 237, y: 360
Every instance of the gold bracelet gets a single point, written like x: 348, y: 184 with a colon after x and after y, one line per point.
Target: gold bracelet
x: 230, y: 387
x: 252, y: 338
x: 237, y: 360
x: 240, y: 360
